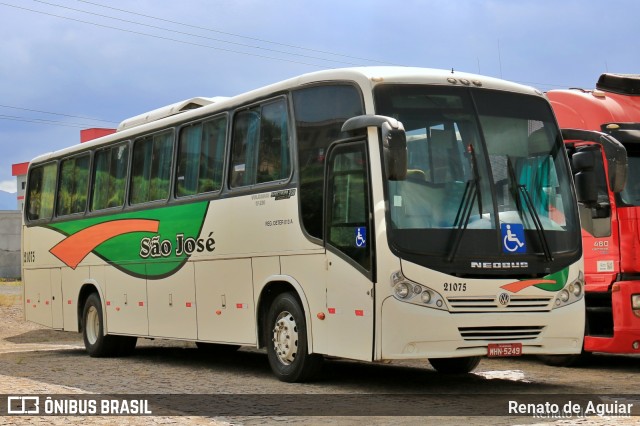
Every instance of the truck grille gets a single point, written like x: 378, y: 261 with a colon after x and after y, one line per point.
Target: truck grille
x: 500, y: 333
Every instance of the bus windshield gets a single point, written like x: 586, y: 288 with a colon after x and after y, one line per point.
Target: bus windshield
x: 486, y: 173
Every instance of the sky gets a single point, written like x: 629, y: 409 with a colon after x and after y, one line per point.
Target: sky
x: 67, y: 65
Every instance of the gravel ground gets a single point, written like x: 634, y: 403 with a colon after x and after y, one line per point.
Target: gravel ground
x: 18, y: 337
x: 35, y: 360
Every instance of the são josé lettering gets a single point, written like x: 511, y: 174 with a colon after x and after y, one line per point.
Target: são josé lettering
x: 154, y: 247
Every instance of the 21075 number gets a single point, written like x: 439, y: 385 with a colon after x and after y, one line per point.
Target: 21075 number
x: 455, y: 286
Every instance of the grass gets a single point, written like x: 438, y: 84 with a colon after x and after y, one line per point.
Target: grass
x: 9, y: 299
x: 12, y: 282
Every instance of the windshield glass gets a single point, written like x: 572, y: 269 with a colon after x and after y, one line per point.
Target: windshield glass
x: 630, y: 195
x: 486, y: 173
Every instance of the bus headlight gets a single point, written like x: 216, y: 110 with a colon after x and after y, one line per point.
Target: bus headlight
x: 408, y: 291
x: 564, y: 296
x: 576, y: 289
x: 402, y: 290
x: 571, y: 293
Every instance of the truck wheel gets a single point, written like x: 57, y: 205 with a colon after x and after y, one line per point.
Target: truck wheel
x: 286, y: 337
x: 455, y: 365
x: 95, y: 342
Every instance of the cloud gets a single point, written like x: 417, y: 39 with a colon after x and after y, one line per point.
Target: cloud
x: 8, y: 186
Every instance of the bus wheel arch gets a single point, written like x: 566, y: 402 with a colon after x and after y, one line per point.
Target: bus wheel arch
x: 268, y: 294
x: 85, y: 291
x: 287, y: 340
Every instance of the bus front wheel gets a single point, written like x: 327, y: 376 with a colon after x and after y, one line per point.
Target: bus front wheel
x: 286, y: 338
x: 455, y: 365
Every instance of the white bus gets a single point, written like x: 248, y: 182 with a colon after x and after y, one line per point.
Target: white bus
x: 372, y: 214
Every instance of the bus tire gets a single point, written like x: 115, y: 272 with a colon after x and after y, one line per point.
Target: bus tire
x: 287, y: 344
x: 461, y: 365
x: 95, y: 342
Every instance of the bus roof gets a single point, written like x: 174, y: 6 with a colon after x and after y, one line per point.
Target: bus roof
x: 366, y: 77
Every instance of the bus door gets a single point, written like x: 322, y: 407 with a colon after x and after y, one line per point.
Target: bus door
x: 349, y: 241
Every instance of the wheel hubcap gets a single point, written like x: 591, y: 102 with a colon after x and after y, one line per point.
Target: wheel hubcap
x: 93, y: 325
x: 285, y: 338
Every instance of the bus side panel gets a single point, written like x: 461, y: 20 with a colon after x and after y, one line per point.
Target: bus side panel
x: 225, y: 301
x: 172, y: 305
x: 310, y: 272
x: 72, y: 280
x: 264, y: 269
x: 126, y: 303
x: 37, y: 296
x: 57, y: 301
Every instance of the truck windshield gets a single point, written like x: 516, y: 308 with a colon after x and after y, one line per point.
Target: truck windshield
x: 487, y: 179
x: 630, y: 195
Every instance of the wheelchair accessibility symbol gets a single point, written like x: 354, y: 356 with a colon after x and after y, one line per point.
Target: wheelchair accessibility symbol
x: 513, y: 238
x: 361, y: 237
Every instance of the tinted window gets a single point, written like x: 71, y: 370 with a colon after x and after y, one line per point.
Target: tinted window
x: 200, y: 157
x: 151, y: 168
x: 110, y: 177
x: 320, y: 112
x: 348, y: 204
x: 41, y: 190
x: 260, y: 145
x: 74, y: 183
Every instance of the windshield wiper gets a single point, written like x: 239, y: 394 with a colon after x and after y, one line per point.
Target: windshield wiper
x: 466, y: 205
x: 522, y: 189
x: 536, y: 222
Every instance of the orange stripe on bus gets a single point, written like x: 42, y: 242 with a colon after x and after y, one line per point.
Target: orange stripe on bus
x: 520, y: 285
x: 76, y: 247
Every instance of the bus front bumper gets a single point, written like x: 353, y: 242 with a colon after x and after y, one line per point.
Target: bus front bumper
x: 413, y: 332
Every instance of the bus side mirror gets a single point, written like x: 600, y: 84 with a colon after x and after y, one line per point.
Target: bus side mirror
x: 394, y: 145
x: 585, y: 177
x: 394, y: 141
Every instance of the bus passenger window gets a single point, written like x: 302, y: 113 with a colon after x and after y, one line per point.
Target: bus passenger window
x: 110, y: 174
x: 273, y: 155
x: 260, y: 145
x: 320, y: 112
x: 151, y: 168
x: 74, y: 181
x: 42, y: 184
x: 200, y: 157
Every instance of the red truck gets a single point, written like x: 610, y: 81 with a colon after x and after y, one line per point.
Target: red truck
x: 601, y: 129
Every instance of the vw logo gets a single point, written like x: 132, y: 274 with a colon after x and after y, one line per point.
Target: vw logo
x: 503, y: 300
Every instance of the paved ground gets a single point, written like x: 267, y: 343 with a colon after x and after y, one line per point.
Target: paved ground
x: 34, y: 360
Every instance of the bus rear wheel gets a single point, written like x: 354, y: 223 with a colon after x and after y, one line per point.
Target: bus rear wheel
x: 461, y: 365
x: 286, y: 338
x: 95, y: 341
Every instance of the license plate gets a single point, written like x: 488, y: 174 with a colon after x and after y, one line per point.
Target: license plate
x: 504, y: 349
